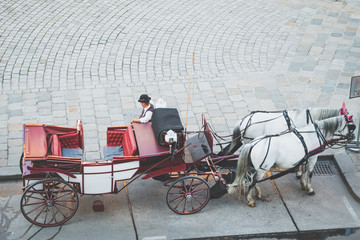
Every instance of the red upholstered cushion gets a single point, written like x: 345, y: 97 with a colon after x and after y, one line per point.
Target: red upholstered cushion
x: 55, y: 145
x: 129, y: 144
x: 70, y: 140
x: 114, y: 137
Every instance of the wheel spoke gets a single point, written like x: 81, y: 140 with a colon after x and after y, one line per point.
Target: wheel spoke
x: 60, y: 205
x: 198, y: 201
x: 31, y: 204
x: 36, y: 209
x: 183, y: 184
x: 180, y: 188
x: 36, y: 191
x: 63, y: 195
x: 67, y: 201
x: 173, y: 200
x: 60, y: 190
x: 54, y: 215
x: 60, y: 211
x: 184, y: 205
x: 47, y: 209
x: 39, y: 213
x: 191, y: 183
x: 30, y: 196
x: 200, y: 190
x: 179, y: 203
x: 196, y: 185
x: 199, y: 196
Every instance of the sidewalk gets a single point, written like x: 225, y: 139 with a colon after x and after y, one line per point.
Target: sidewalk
x: 348, y: 164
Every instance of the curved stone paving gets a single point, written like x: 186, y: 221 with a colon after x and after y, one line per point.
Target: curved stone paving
x: 64, y: 60
x: 70, y: 44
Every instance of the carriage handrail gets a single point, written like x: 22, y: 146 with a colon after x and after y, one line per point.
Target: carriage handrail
x: 56, y: 170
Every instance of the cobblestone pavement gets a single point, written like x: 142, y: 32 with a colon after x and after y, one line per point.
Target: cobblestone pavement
x: 88, y: 59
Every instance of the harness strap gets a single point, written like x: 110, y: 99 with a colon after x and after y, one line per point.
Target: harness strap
x: 267, y: 152
x: 301, y: 138
x: 287, y: 119
x: 322, y: 145
x: 308, y: 117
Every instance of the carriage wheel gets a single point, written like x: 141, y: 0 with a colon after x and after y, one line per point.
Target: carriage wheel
x: 49, y: 202
x: 188, y: 195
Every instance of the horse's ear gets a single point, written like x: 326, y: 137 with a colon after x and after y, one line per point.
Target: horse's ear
x: 343, y: 109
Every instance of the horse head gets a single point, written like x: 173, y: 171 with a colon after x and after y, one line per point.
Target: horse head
x: 341, y: 127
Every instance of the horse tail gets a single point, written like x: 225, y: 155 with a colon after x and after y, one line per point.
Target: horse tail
x: 236, y: 140
x: 242, y: 167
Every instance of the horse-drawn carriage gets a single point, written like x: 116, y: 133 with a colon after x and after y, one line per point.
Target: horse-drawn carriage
x: 55, y: 170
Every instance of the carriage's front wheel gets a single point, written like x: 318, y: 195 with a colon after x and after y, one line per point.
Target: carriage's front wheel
x: 49, y: 202
x: 188, y: 195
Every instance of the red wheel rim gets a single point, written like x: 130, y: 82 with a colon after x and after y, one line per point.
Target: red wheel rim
x: 188, y: 195
x: 49, y: 202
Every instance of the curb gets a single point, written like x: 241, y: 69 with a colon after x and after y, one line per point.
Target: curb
x: 349, y: 173
x: 10, y: 173
x: 10, y: 177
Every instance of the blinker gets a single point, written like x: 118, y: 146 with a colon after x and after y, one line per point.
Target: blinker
x: 351, y: 127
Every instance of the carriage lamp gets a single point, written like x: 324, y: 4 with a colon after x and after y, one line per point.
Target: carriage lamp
x: 170, y: 136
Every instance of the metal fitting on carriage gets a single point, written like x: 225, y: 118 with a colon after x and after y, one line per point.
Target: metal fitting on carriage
x: 170, y: 136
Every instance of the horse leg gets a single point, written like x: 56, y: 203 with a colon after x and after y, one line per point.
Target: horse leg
x: 304, y: 177
x: 299, y: 172
x: 259, y: 175
x: 258, y: 191
x: 310, y: 168
x: 249, y: 197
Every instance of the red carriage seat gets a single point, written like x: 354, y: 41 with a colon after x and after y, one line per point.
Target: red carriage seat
x: 114, y: 137
x: 129, y: 143
x: 55, y: 145
x: 70, y: 140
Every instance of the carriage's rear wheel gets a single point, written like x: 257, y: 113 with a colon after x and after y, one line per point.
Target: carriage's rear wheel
x: 188, y: 195
x: 49, y: 202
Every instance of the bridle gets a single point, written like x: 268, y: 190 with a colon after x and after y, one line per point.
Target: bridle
x: 341, y: 140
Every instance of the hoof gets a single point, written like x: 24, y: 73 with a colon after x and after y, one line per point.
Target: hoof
x: 311, y: 193
x: 259, y: 196
x: 252, y: 204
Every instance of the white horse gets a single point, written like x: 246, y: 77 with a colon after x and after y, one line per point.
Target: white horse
x: 260, y: 123
x: 288, y: 150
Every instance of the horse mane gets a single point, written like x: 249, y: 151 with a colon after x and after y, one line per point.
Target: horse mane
x: 331, y: 125
x: 323, y: 113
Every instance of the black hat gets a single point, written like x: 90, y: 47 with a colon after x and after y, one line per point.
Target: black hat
x: 144, y: 98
